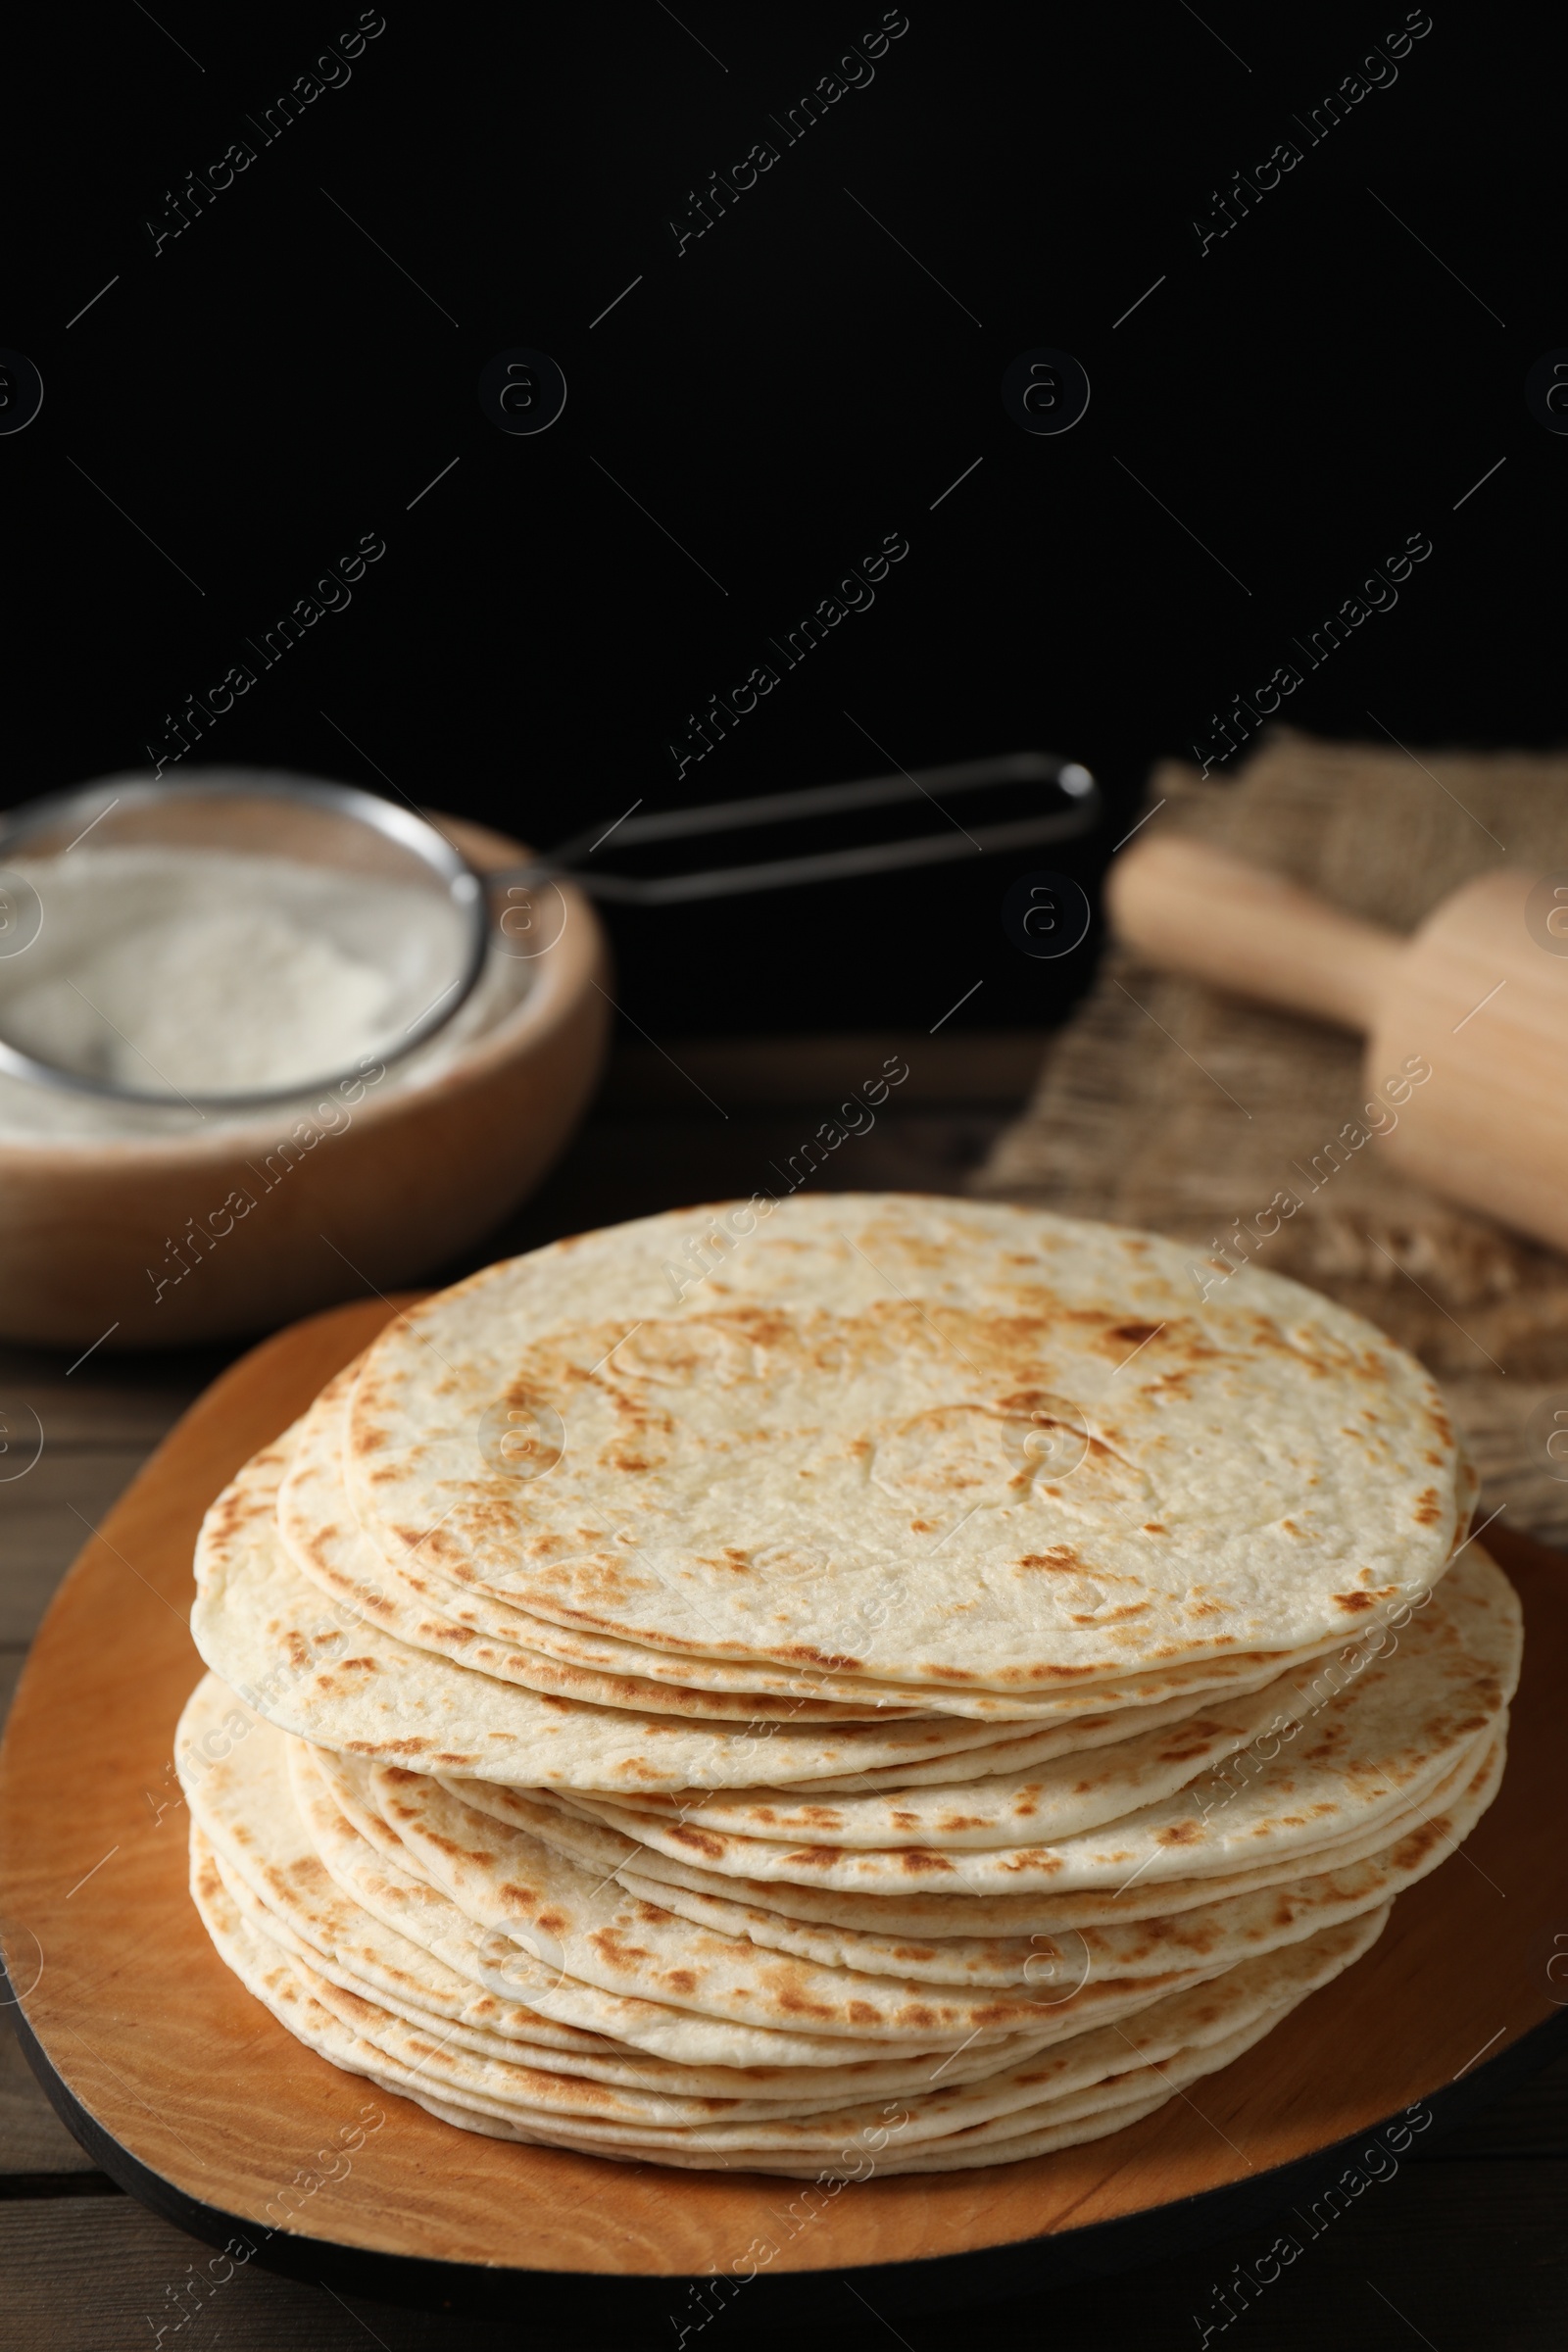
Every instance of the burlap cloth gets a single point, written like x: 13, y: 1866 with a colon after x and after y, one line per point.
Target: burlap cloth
x: 1139, y: 1113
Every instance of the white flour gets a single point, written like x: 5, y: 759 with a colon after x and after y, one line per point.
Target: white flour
x: 193, y: 971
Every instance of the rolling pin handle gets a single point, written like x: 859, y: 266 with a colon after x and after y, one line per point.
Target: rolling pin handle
x: 1194, y: 909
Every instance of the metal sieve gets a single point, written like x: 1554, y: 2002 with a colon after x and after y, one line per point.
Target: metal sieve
x: 336, y: 828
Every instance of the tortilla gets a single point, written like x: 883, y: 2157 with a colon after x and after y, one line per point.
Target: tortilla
x: 1230, y: 1927
x: 319, y: 1670
x: 314, y: 1668
x: 1382, y: 1744
x: 925, y: 1917
x: 1112, y: 2072
x: 318, y: 1531
x: 937, y: 1443
x: 1055, y: 1798
x: 426, y: 1917
x: 911, y: 1689
x: 406, y: 1594
x: 1039, y: 2089
x: 505, y: 1880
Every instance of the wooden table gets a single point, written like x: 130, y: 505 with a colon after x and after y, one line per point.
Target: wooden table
x: 1466, y: 2247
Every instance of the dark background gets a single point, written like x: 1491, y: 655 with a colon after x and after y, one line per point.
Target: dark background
x: 794, y: 385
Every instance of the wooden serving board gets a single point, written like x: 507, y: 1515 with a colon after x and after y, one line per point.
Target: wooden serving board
x: 193, y: 2098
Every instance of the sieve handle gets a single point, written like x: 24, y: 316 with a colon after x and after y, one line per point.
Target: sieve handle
x: 1195, y: 909
x: 1074, y: 813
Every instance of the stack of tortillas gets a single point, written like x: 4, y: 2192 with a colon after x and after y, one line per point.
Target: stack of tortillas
x: 863, y: 1683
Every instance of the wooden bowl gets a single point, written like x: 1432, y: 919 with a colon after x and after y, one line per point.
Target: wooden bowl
x: 147, y: 1241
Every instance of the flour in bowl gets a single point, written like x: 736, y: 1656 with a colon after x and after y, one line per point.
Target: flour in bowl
x: 181, y: 972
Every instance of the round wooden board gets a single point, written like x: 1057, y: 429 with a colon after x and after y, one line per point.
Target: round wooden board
x: 189, y: 2093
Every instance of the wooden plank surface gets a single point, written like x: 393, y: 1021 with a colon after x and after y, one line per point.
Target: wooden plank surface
x: 709, y: 1119
x: 35, y: 2144
x: 1468, y: 2256
x: 1470, y: 2243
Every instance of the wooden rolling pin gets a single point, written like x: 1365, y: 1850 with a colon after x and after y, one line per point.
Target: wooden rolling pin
x: 1477, y: 997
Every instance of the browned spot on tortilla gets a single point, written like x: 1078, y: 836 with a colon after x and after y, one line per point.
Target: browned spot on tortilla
x: 616, y: 1949
x: 700, y: 1841
x: 1181, y: 1832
